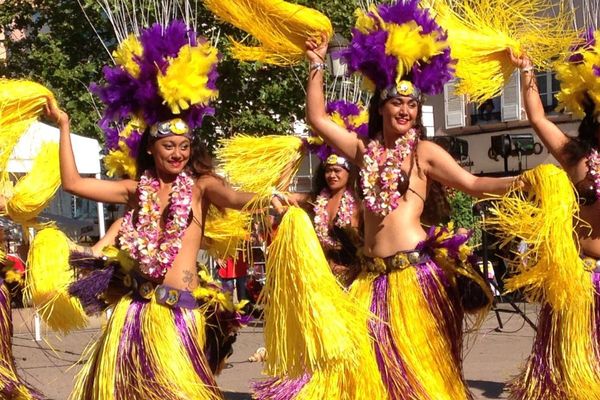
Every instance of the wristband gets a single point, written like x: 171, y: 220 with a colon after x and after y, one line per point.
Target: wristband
x: 318, y: 66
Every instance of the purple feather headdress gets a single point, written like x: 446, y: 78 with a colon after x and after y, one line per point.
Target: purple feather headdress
x: 167, y: 74
x: 400, y: 48
x: 353, y: 117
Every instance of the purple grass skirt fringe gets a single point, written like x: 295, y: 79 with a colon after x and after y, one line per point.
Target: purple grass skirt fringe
x: 537, y: 376
x: 11, y: 385
x: 136, y: 373
x: 400, y: 385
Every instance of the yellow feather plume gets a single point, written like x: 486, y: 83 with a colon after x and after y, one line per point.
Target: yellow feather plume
x: 47, y: 281
x: 481, y: 31
x: 126, y: 53
x: 224, y: 231
x: 185, y: 81
x: 33, y: 192
x: 280, y: 28
x: 579, y: 79
x: 311, y: 324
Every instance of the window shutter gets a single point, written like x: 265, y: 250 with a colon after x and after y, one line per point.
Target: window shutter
x: 511, y: 98
x: 427, y: 119
x: 454, y: 107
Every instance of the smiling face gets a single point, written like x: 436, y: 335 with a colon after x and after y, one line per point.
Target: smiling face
x: 170, y: 154
x: 399, y: 115
x: 336, y: 177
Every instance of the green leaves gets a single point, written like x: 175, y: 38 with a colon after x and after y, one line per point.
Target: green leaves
x: 62, y: 51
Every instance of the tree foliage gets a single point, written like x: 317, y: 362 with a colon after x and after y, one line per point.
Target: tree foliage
x: 64, y: 51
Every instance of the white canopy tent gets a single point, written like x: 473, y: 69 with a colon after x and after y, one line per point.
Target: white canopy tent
x: 86, y: 150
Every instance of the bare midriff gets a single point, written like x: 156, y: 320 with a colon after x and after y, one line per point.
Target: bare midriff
x: 183, y: 274
x: 401, y: 229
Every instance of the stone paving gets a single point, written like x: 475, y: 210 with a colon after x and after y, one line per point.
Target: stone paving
x: 491, y: 357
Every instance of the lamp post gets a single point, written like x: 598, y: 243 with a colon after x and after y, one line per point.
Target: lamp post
x: 336, y: 45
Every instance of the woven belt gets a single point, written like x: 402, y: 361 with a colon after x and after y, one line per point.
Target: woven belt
x: 398, y: 261
x: 591, y: 264
x: 163, y: 294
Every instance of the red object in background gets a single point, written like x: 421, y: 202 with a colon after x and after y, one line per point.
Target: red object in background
x: 235, y: 269
x: 16, y: 263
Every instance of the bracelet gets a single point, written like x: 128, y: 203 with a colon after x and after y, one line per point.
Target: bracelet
x: 527, y: 69
x: 317, y: 67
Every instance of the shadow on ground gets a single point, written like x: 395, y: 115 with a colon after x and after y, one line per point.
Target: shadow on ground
x: 236, y: 396
x: 490, y: 390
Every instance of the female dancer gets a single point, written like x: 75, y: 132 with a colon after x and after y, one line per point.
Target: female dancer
x: 565, y: 359
x: 418, y: 332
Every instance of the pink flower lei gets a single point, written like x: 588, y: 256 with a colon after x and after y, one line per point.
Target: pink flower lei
x: 381, y: 171
x: 344, y: 215
x: 593, y: 164
x: 153, y: 249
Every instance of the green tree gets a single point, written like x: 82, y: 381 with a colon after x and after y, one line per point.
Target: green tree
x: 60, y: 50
x: 65, y: 52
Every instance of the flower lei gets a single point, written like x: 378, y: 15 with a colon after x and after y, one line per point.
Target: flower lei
x: 593, y: 164
x: 344, y: 215
x: 379, y: 176
x: 153, y: 249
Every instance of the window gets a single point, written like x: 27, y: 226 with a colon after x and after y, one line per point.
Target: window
x: 548, y: 86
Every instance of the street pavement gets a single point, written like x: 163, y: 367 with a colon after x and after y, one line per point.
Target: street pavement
x: 491, y: 356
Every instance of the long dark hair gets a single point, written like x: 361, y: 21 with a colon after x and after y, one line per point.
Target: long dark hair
x: 144, y: 160
x: 580, y: 146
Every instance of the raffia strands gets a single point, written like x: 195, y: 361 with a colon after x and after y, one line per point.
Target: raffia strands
x: 148, y: 352
x: 11, y: 385
x: 47, y: 280
x: 311, y: 323
x: 260, y: 164
x: 280, y: 28
x: 481, y: 31
x: 225, y: 231
x: 20, y: 103
x: 33, y: 192
x: 551, y: 272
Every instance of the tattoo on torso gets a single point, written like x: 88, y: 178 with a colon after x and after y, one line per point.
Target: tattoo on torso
x: 189, y: 278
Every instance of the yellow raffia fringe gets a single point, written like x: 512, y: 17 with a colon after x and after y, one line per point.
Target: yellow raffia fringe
x: 260, y: 163
x: 20, y: 103
x: 225, y: 231
x: 8, y: 370
x: 551, y: 272
x: 311, y: 324
x: 280, y: 28
x: 47, y: 280
x: 161, y: 342
x: 33, y: 192
x: 481, y: 31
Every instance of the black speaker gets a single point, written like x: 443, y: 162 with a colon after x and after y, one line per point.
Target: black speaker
x: 458, y: 148
x: 501, y: 145
x: 522, y: 144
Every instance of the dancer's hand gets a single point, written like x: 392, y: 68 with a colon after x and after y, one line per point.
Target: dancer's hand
x: 55, y: 114
x: 316, y: 48
x: 521, y: 62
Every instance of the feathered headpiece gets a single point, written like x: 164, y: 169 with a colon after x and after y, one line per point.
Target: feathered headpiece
x: 400, y: 49
x: 163, y: 81
x: 351, y: 116
x: 579, y: 76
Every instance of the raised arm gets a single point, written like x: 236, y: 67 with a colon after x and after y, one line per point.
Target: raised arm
x: 72, y: 182
x: 443, y: 168
x: 552, y: 137
x: 346, y: 143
